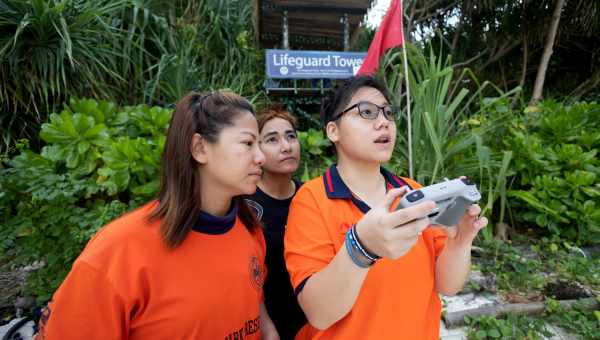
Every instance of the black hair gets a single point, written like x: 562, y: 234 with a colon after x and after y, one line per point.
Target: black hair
x: 340, y: 96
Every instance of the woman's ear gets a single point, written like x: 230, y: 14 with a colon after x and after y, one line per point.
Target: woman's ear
x: 199, y: 148
x: 332, y: 131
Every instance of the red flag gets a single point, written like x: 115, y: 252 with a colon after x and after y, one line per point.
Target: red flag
x: 389, y: 34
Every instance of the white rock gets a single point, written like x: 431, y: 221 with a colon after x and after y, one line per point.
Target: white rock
x: 26, y: 330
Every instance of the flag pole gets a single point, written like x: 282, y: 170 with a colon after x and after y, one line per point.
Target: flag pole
x: 408, y: 115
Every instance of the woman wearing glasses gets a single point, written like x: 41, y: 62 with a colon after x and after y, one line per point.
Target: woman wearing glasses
x: 189, y: 265
x: 360, y: 268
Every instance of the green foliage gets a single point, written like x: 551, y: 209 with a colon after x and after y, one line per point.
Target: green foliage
x: 315, y: 147
x: 558, y: 171
x: 525, y: 270
x: 514, y: 272
x: 510, y: 326
x: 149, y: 52
x: 207, y: 45
x: 452, y: 128
x: 305, y: 108
x: 568, y: 262
x: 100, y: 161
x: 52, y: 48
x: 578, y: 320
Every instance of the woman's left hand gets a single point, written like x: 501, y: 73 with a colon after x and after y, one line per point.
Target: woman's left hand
x: 468, y: 227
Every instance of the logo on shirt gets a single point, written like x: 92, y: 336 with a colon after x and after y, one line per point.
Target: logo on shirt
x: 257, y: 272
x: 250, y: 327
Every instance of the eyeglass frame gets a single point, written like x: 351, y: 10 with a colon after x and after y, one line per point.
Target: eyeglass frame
x: 380, y: 109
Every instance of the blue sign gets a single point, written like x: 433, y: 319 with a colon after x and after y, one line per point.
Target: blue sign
x: 312, y: 64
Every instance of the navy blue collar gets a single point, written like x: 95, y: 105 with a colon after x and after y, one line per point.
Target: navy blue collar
x: 336, y: 188
x: 216, y: 225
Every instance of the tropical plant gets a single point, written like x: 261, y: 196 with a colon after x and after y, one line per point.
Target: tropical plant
x: 510, y: 326
x: 100, y: 161
x: 451, y: 128
x: 578, y: 320
x: 557, y: 169
x: 315, y: 153
x: 209, y: 47
x: 149, y: 52
x: 49, y: 49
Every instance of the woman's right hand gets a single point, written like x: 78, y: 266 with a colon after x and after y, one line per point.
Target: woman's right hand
x: 392, y: 234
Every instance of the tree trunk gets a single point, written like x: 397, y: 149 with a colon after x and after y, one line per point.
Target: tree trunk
x: 524, y: 67
x: 456, y: 319
x: 524, y: 28
x: 457, y: 34
x: 541, y: 74
x: 409, y: 22
x: 587, y: 86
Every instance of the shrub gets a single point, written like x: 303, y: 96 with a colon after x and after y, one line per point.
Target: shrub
x: 315, y: 154
x: 510, y: 326
x: 100, y: 161
x: 150, y: 52
x: 557, y: 180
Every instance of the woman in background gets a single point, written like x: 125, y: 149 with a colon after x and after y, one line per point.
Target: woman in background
x: 279, y: 143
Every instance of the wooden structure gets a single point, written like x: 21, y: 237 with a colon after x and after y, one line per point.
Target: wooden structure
x: 331, y: 25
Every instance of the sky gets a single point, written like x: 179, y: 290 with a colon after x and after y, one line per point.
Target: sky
x: 375, y: 15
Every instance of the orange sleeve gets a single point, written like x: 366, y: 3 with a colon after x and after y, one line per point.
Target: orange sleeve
x: 85, y: 306
x: 413, y: 184
x: 308, y: 245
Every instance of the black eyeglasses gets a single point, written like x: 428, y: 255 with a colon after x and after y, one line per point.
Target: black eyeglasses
x: 370, y: 111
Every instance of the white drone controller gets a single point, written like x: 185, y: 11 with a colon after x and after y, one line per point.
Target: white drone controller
x: 452, y: 197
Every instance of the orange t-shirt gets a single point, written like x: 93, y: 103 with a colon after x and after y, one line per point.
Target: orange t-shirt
x: 397, y: 299
x: 127, y: 284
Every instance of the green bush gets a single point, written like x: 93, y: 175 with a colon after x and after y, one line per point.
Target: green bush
x: 315, y: 159
x: 578, y: 320
x: 150, y: 52
x: 510, y: 326
x: 100, y: 161
x: 51, y: 48
x: 557, y: 169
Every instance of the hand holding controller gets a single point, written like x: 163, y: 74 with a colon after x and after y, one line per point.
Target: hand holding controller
x: 453, y: 198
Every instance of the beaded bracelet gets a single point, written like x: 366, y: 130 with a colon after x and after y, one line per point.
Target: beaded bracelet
x: 355, y: 254
x: 362, y: 249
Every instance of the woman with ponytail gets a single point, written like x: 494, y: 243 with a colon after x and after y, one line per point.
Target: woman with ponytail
x: 189, y: 265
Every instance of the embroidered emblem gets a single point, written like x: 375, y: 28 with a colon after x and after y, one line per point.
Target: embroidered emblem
x: 257, y: 272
